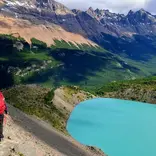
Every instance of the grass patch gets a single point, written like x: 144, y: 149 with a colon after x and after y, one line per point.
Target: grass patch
x: 35, y: 100
x: 39, y: 56
x: 139, y: 84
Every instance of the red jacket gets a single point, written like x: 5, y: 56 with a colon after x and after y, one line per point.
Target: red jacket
x: 3, y: 107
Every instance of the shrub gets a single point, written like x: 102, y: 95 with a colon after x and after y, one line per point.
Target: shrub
x: 48, y: 98
x: 38, y: 43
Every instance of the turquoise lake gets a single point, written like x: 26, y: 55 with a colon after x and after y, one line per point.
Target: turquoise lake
x: 118, y: 127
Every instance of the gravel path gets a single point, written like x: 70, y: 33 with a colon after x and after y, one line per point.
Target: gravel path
x: 44, y: 132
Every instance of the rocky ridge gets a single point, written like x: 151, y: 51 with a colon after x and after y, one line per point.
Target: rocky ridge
x: 139, y: 22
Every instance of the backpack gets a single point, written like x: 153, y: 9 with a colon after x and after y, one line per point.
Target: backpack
x: 2, y: 103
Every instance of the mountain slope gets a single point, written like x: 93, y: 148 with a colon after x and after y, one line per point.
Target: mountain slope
x: 132, y: 36
x: 132, y: 50
x: 64, y: 63
x: 47, y: 107
x: 91, y: 23
x: 37, y: 134
x: 40, y: 20
x: 45, y: 32
x: 20, y: 144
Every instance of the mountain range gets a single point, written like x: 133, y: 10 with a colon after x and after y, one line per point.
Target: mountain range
x: 128, y: 41
x: 91, y: 23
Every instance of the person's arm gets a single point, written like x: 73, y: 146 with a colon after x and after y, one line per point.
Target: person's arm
x: 6, y: 108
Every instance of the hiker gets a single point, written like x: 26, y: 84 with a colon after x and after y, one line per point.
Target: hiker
x: 3, y: 109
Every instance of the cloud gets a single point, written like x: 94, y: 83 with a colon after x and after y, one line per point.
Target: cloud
x: 151, y: 6
x: 119, y: 6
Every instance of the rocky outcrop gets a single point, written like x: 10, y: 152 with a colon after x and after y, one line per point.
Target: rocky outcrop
x: 66, y: 98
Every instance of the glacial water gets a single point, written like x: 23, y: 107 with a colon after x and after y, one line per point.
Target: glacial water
x: 118, y: 127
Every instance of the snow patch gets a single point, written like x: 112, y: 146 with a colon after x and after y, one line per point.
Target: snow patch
x: 18, y: 3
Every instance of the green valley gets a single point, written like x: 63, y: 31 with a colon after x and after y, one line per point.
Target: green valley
x: 61, y: 64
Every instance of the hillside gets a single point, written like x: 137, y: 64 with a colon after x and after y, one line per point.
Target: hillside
x: 143, y: 90
x: 60, y: 64
x: 40, y: 20
x: 38, y: 138
x: 125, y: 42
x: 52, y: 106
x: 55, y: 105
x: 20, y: 144
x: 46, y: 32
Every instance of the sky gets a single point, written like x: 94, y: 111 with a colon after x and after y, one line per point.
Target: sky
x: 117, y: 6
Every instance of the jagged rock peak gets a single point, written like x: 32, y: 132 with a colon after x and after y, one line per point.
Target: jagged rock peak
x: 49, y: 4
x: 91, y: 12
x: 76, y: 11
x: 131, y: 12
x: 142, y: 16
x: 142, y: 10
x: 90, y: 9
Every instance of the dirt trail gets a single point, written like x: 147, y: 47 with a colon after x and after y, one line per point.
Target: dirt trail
x: 19, y: 142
